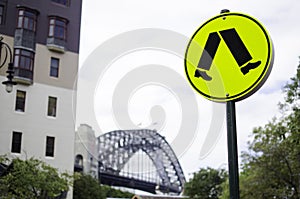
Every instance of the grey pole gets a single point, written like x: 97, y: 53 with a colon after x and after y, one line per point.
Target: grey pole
x: 232, y: 151
x: 233, y: 164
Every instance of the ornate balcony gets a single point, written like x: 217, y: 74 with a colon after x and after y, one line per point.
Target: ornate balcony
x: 23, y: 76
x: 24, y: 38
x: 57, y: 45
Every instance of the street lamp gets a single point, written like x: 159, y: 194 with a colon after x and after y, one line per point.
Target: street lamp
x: 9, y: 83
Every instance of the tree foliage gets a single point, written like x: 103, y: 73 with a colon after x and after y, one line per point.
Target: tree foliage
x: 271, y: 167
x: 87, y: 187
x: 205, y: 184
x: 110, y: 192
x: 31, y: 179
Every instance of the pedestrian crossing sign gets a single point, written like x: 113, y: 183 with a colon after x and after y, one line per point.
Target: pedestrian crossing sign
x: 229, y: 57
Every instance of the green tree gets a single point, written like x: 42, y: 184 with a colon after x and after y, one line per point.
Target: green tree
x: 243, y: 182
x: 87, y: 187
x: 206, y: 184
x: 31, y: 179
x: 115, y: 193
x: 271, y: 167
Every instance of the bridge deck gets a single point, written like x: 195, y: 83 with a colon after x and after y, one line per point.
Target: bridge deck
x: 117, y: 180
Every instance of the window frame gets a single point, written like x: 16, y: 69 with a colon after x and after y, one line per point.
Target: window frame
x: 52, y: 113
x: 27, y: 19
x: 54, y: 68
x: 2, y: 12
x: 20, y: 102
x: 55, y: 29
x: 65, y: 3
x: 20, y: 56
x: 50, y: 146
x: 16, y: 142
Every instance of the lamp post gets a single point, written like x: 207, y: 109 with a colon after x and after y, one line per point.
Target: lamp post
x: 9, y: 83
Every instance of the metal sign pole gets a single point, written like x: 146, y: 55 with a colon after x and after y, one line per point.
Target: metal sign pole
x: 250, y: 69
x: 232, y: 151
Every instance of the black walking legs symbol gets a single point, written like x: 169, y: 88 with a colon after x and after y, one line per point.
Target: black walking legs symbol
x: 236, y: 47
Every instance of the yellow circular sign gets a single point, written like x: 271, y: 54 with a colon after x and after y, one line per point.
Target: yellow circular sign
x: 229, y: 57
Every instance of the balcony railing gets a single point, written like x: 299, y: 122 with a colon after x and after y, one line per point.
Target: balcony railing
x: 24, y: 38
x: 56, y: 44
x: 24, y: 76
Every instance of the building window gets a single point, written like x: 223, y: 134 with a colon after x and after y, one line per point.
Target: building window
x: 23, y: 62
x: 78, y: 167
x: 16, y: 142
x: 1, y: 14
x: 20, y: 101
x: 62, y: 2
x: 79, y: 160
x: 24, y: 59
x: 26, y: 19
x: 58, y: 28
x: 50, y: 146
x: 54, y: 65
x: 52, y: 106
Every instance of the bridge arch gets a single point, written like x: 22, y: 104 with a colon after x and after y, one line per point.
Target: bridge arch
x: 117, y: 147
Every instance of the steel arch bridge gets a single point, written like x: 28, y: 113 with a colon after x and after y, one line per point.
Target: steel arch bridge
x: 116, y: 148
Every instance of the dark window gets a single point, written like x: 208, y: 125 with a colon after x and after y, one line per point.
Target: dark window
x: 1, y: 14
x: 16, y: 142
x: 52, y: 106
x: 79, y: 160
x: 20, y: 101
x: 57, y: 28
x: 63, y: 2
x: 54, y: 65
x: 26, y: 19
x: 23, y: 59
x: 23, y: 62
x: 50, y: 146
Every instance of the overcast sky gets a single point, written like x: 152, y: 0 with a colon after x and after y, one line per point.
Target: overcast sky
x: 104, y: 20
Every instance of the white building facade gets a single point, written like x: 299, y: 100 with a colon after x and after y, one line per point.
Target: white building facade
x: 37, y: 117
